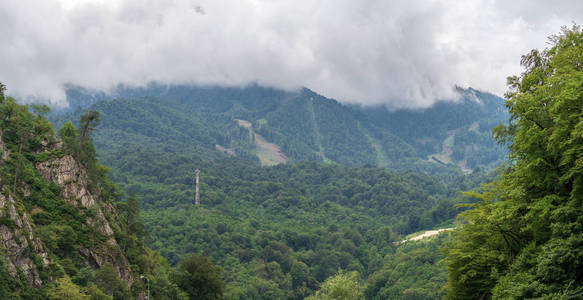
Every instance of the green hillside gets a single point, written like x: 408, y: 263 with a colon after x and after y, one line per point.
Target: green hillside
x: 457, y: 132
x: 523, y: 238
x: 278, y: 232
x: 66, y: 230
x: 301, y: 197
x: 306, y: 126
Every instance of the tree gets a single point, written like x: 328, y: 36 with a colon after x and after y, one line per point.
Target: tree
x: 40, y: 110
x: 87, y: 123
x: 197, y: 276
x: 342, y: 286
x: 86, y: 153
x: 134, y: 224
x: 523, y: 239
x: 108, y: 280
x: 69, y: 136
x: 2, y: 90
x: 96, y: 294
x: 65, y: 289
x: 19, y: 123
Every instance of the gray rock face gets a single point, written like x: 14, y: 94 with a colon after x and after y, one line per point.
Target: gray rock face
x: 73, y: 181
x: 24, y: 252
x: 18, y: 240
x: 17, y: 236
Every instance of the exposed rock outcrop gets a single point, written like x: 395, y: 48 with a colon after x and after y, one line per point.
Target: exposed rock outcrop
x: 17, y: 236
x: 20, y: 243
x: 72, y: 178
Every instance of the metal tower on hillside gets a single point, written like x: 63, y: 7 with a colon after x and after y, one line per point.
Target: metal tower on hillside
x: 196, y: 196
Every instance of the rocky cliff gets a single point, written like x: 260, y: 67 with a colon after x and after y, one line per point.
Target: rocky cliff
x: 25, y: 254
x: 72, y: 178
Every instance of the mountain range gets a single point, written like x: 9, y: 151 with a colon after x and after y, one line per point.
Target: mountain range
x: 274, y: 126
x: 294, y: 186
x: 292, y: 181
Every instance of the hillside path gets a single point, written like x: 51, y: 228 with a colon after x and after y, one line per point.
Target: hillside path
x: 426, y: 234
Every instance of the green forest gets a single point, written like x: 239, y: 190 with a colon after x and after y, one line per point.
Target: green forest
x: 304, y: 124
x: 277, y: 232
x: 333, y: 222
x: 262, y: 232
x: 262, y: 225
x: 523, y: 237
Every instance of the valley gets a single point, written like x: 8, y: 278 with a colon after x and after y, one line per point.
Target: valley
x: 297, y: 126
x: 282, y: 190
x: 291, y: 150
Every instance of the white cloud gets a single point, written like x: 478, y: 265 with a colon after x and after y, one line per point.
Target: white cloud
x: 401, y: 53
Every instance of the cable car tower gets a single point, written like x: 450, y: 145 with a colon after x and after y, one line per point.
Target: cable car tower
x: 196, y: 189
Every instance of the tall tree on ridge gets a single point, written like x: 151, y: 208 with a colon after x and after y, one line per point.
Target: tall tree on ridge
x: 87, y: 123
x: 524, y: 237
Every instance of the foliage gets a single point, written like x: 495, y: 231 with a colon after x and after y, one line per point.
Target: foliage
x: 8, y: 284
x: 132, y: 210
x: 95, y: 293
x: 306, y: 126
x: 2, y: 90
x: 413, y: 271
x: 161, y: 285
x: 278, y: 232
x: 197, y: 276
x: 342, y: 286
x: 468, y: 121
x: 291, y: 237
x: 106, y: 279
x: 62, y: 227
x: 523, y: 238
x: 69, y: 136
x: 65, y: 289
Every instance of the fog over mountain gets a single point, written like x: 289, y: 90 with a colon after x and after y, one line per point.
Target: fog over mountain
x: 398, y: 53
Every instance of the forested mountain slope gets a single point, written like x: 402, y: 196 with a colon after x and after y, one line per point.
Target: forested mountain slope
x: 280, y: 231
x: 66, y: 231
x: 307, y: 126
x: 456, y: 132
x: 56, y: 216
x: 523, y: 239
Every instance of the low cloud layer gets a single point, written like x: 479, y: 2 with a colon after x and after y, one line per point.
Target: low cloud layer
x: 399, y: 53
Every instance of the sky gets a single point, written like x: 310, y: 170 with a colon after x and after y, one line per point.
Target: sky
x: 403, y: 54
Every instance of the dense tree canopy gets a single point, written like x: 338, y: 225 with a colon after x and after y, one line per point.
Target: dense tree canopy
x: 524, y: 237
x: 282, y: 232
x: 199, y: 278
x: 62, y: 228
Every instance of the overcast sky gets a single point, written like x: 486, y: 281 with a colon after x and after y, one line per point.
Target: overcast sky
x: 401, y: 53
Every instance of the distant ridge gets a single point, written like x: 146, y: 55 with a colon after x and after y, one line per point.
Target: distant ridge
x: 307, y: 126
